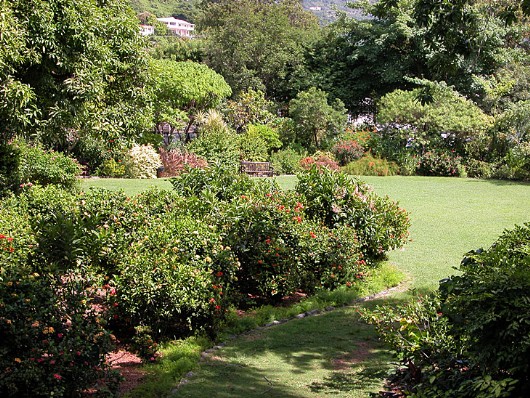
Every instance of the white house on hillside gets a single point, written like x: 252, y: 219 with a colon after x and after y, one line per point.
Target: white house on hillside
x: 147, y: 30
x: 178, y: 26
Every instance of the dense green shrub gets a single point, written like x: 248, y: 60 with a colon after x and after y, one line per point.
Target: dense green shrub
x: 335, y: 199
x: 488, y: 306
x: 286, y: 161
x: 517, y: 163
x: 223, y: 183
x: 217, y: 146
x: 111, y: 168
x: 38, y: 166
x: 9, y: 165
x: 469, y: 339
x: 266, y: 132
x: 281, y: 251
x: 479, y: 169
x: 176, y: 279
x: 331, y: 258
x: 54, y: 219
x: 92, y: 151
x: 253, y: 147
x: 16, y: 233
x: 369, y: 165
x: 53, y: 338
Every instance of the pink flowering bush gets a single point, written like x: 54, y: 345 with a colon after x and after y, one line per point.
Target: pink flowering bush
x: 347, y: 151
x: 439, y: 163
x: 319, y: 160
x: 176, y: 162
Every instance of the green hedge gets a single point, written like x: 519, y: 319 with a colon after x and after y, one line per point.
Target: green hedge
x: 167, y: 263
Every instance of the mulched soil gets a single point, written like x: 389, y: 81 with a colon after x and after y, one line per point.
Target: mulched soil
x: 130, y: 367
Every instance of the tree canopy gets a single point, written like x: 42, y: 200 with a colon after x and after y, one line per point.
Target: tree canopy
x: 451, y: 41
x: 182, y: 89
x: 258, y: 44
x: 315, y: 118
x: 70, y: 66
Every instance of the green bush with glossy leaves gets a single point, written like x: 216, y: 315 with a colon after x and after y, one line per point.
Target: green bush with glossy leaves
x: 335, y: 199
x: 470, y: 338
x: 176, y: 278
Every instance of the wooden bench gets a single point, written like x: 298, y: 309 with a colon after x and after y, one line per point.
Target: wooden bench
x: 257, y: 169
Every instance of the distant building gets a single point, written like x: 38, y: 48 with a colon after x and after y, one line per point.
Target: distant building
x: 147, y: 30
x: 178, y: 26
x: 315, y: 8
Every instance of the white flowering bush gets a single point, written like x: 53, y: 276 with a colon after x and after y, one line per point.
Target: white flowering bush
x: 141, y: 161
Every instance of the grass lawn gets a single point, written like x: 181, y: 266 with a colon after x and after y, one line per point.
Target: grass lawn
x: 129, y: 186
x: 451, y: 216
x: 334, y: 353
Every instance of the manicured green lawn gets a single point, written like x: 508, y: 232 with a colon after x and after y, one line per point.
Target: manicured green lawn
x: 129, y: 186
x: 334, y: 353
x: 451, y: 216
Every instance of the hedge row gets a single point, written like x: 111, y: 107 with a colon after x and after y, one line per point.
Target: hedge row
x: 77, y: 266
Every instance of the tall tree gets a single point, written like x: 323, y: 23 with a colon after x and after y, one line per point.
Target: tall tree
x: 259, y: 44
x: 316, y: 120
x: 180, y: 90
x: 451, y: 41
x: 70, y: 67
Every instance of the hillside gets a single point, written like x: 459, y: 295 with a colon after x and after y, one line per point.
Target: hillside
x: 325, y: 10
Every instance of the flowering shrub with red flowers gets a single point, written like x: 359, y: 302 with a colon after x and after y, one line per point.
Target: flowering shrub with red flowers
x: 53, y: 339
x: 176, y: 279
x: 281, y: 250
x: 336, y: 199
x: 347, y: 151
x: 319, y: 160
x: 170, y: 263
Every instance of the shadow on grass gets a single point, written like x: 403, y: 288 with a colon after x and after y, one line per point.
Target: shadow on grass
x: 500, y: 183
x: 360, y: 379
x: 334, y: 353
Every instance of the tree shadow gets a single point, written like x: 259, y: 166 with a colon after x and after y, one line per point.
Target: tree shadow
x: 280, y: 361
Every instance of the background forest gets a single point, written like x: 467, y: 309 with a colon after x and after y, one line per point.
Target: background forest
x: 409, y: 87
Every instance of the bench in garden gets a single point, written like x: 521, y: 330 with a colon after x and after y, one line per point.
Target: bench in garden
x: 257, y: 169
